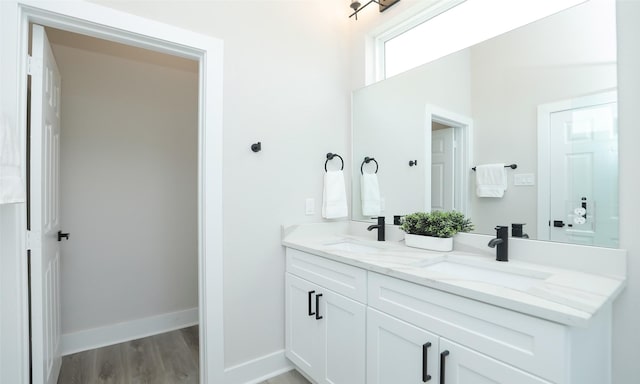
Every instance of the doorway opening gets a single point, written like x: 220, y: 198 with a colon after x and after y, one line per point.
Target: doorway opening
x: 124, y: 164
x: 450, y: 137
x: 92, y: 20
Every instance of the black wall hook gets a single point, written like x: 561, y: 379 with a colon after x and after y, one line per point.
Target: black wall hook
x: 256, y: 147
x: 413, y: 162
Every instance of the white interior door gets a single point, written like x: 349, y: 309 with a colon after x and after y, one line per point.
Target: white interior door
x: 44, y: 211
x: 442, y: 169
x: 584, y: 175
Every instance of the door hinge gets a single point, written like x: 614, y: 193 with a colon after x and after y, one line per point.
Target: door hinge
x: 33, y: 240
x: 29, y: 65
x: 28, y: 240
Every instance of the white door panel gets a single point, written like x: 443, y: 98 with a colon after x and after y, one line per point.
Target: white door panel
x: 442, y: 169
x: 44, y: 210
x: 583, y: 178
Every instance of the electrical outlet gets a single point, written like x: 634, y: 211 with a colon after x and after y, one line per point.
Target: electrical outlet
x: 524, y: 179
x: 310, y: 206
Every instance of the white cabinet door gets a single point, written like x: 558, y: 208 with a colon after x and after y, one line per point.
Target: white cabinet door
x: 345, y: 339
x: 460, y: 365
x: 304, y: 334
x: 398, y: 352
x: 325, y: 333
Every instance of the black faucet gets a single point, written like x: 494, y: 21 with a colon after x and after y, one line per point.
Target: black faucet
x: 379, y: 227
x: 517, y: 231
x: 502, y: 243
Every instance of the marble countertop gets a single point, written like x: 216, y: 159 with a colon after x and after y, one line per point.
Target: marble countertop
x: 562, y: 295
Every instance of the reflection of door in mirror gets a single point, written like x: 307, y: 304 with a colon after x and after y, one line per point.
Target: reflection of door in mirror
x: 583, y: 171
x: 450, y: 136
x: 442, y: 167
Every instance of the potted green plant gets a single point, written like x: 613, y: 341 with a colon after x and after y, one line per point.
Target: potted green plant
x: 434, y: 230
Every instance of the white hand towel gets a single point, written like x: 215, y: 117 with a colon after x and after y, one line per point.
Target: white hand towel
x: 370, y: 194
x: 11, y: 183
x: 491, y: 180
x: 334, y: 196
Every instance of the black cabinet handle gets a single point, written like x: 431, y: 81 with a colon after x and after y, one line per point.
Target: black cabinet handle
x: 443, y: 355
x: 425, y: 351
x: 310, y: 293
x: 62, y: 236
x: 318, y: 296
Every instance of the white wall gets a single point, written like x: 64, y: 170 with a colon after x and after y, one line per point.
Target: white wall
x: 13, y: 299
x: 128, y: 182
x: 286, y: 86
x: 626, y: 317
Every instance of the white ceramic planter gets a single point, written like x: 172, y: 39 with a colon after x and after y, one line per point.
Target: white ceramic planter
x: 428, y: 242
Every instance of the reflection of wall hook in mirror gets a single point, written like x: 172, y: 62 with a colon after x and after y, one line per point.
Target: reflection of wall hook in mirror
x: 256, y: 147
x: 413, y: 162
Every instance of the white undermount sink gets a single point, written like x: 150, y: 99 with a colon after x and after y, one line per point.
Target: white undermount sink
x: 514, y: 278
x: 351, y: 245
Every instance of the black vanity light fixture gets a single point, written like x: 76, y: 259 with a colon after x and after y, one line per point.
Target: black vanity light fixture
x: 383, y: 5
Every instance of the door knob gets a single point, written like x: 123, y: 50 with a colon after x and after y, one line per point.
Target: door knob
x: 62, y: 236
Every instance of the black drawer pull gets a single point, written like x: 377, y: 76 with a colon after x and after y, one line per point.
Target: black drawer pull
x: 310, y: 293
x: 425, y: 352
x: 443, y: 355
x: 318, y: 296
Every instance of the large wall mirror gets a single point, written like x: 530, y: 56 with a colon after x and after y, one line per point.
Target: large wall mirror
x: 542, y: 97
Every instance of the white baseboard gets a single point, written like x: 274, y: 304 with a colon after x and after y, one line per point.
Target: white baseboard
x: 126, y: 331
x: 258, y: 370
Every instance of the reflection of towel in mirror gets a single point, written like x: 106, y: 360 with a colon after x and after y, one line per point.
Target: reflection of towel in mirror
x: 370, y: 194
x: 491, y: 180
x: 334, y: 196
x: 11, y: 182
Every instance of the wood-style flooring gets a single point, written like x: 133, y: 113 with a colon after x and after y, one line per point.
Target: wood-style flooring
x: 168, y: 358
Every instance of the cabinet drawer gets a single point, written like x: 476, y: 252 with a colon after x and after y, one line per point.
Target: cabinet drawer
x: 534, y: 345
x: 341, y: 278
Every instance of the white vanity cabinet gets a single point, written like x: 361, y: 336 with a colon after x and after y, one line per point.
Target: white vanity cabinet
x: 325, y: 322
x: 481, y: 343
x: 347, y: 325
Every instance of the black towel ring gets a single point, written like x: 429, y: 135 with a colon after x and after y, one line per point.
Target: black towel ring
x: 367, y: 160
x: 330, y: 156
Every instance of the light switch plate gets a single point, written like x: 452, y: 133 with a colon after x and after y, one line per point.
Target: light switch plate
x: 310, y: 206
x: 521, y: 179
